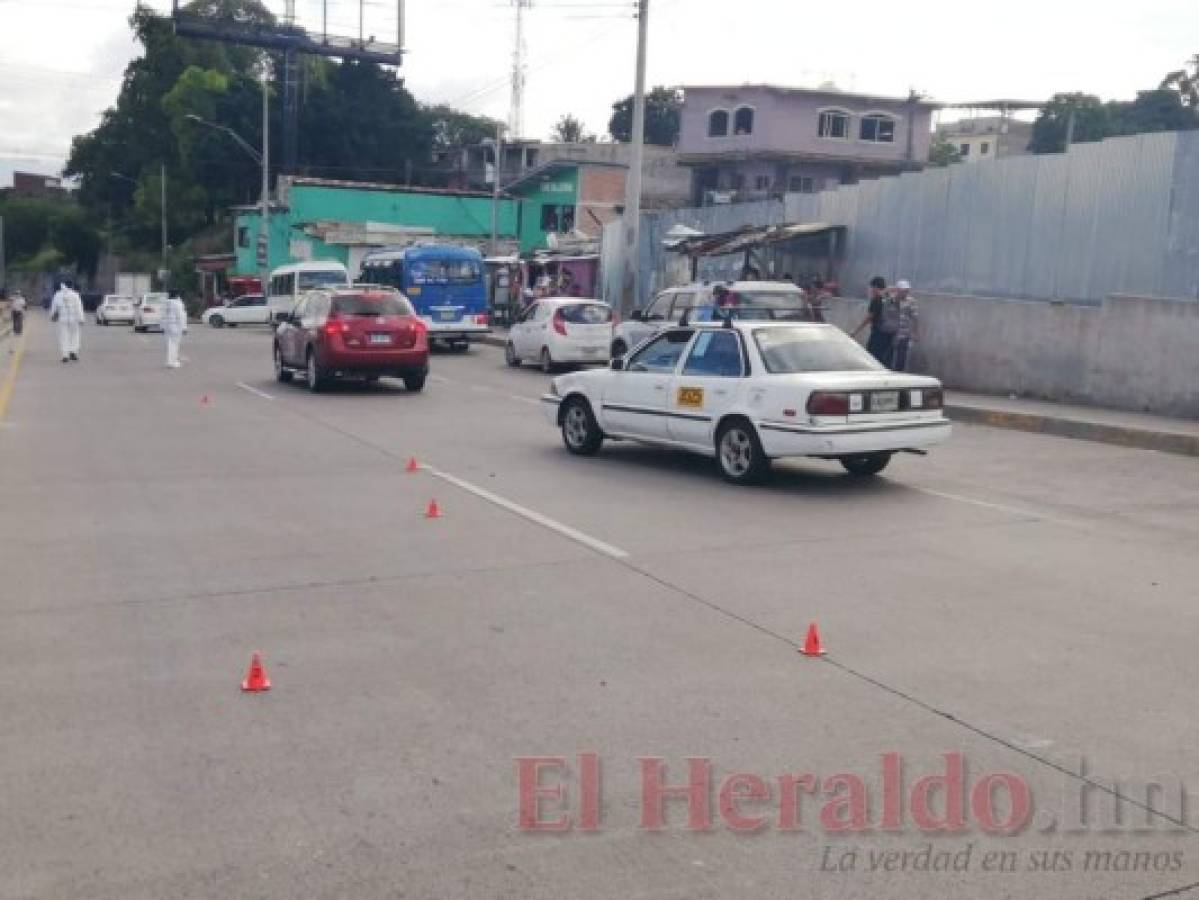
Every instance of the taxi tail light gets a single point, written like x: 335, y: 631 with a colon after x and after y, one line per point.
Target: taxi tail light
x: 828, y: 403
x: 559, y: 322
x: 482, y: 319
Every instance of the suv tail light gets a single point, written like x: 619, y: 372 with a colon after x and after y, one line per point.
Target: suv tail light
x: 334, y: 325
x: 828, y: 403
x: 559, y: 322
x: 481, y: 319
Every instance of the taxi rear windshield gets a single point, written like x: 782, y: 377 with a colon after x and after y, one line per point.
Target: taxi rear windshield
x: 587, y: 314
x: 786, y: 351
x: 371, y: 305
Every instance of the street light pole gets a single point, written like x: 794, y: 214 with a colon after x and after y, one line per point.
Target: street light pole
x: 264, y: 226
x: 632, y: 207
x: 162, y: 200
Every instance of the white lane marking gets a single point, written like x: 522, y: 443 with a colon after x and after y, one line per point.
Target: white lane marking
x: 481, y: 389
x: 532, y: 515
x: 441, y: 379
x: 253, y: 390
x: 998, y: 507
x: 532, y: 400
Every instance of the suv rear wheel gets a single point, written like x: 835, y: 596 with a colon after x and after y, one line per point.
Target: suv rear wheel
x: 510, y: 356
x: 415, y: 383
x: 866, y: 463
x: 316, y: 377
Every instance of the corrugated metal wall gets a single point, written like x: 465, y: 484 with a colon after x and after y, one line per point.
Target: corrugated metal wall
x: 1116, y: 217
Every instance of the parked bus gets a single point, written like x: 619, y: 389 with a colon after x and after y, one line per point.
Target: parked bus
x: 444, y: 282
x: 288, y: 282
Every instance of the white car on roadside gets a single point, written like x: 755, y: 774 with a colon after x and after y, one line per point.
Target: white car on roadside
x: 249, y: 309
x: 147, y: 311
x: 750, y: 392
x: 559, y: 330
x: 115, y: 309
x: 763, y: 300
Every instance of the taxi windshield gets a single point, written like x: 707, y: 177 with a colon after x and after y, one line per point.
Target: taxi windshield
x: 787, y: 351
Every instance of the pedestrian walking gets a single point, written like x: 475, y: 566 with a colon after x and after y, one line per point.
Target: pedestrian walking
x: 883, y: 318
x: 66, y: 312
x: 909, y: 325
x: 17, y: 307
x: 174, y: 325
x: 816, y: 301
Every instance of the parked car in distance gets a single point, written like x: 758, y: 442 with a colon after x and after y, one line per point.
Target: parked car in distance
x: 559, y: 330
x: 352, y: 332
x: 750, y: 392
x: 147, y: 311
x: 248, y: 309
x: 763, y: 300
x: 115, y: 309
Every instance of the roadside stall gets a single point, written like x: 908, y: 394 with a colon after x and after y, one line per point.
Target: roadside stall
x: 797, y: 252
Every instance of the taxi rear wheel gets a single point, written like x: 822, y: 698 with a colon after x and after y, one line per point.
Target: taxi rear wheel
x: 866, y: 463
x: 580, y: 431
x: 510, y: 355
x: 739, y: 453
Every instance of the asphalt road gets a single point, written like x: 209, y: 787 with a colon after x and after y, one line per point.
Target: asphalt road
x: 1024, y: 601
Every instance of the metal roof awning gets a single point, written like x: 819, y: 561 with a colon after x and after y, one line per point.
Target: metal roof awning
x: 750, y: 238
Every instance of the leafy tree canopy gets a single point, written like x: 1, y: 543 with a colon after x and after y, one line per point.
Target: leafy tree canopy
x: 663, y: 110
x: 570, y: 130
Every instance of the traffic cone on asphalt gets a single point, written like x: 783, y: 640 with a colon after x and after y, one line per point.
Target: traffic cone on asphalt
x: 204, y: 401
x: 813, y: 645
x: 413, y: 465
x: 434, y: 511
x: 256, y: 679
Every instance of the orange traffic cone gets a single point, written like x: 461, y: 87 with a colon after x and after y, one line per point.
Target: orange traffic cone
x: 434, y: 511
x: 256, y: 679
x: 204, y: 401
x: 413, y: 465
x: 813, y: 645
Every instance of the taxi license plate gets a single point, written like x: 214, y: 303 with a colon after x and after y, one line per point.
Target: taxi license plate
x: 380, y: 338
x: 447, y: 315
x: 884, y: 401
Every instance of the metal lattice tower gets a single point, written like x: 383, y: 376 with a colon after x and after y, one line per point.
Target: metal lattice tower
x: 516, y: 112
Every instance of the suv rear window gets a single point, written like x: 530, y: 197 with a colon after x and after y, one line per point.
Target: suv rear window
x: 587, y: 314
x: 372, y: 305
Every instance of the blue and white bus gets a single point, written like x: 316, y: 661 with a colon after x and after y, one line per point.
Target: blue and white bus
x: 444, y: 282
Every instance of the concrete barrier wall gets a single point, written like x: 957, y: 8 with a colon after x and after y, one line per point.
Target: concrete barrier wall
x: 1133, y: 353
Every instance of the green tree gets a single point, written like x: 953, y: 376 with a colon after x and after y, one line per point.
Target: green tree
x: 1159, y: 110
x: 569, y: 130
x: 943, y: 153
x: 1092, y: 122
x: 452, y: 128
x: 663, y: 111
x: 45, y: 233
x: 1185, y: 83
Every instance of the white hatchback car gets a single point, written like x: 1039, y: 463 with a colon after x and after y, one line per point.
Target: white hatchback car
x: 749, y: 392
x: 249, y: 309
x: 115, y: 308
x: 147, y: 312
x: 559, y: 330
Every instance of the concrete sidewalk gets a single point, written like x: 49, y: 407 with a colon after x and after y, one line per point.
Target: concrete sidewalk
x: 1087, y: 423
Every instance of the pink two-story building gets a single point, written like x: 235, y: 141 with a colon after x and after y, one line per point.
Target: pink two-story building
x: 745, y: 142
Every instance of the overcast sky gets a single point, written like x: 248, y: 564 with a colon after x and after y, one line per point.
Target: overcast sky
x: 61, y: 60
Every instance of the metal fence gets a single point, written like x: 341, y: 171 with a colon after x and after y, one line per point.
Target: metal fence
x: 1116, y: 217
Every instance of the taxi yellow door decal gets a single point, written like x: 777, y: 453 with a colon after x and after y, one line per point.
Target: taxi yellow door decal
x: 690, y: 398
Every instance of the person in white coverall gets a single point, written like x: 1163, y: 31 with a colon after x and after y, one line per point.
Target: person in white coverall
x: 66, y: 312
x: 174, y: 325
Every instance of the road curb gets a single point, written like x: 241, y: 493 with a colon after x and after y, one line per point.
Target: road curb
x: 1058, y: 426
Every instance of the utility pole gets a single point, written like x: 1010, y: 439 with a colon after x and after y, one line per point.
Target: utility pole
x: 162, y: 199
x: 495, y: 189
x: 3, y: 269
x: 632, y: 207
x: 264, y: 219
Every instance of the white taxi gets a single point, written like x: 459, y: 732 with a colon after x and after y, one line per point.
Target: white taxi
x: 147, y: 311
x: 748, y: 392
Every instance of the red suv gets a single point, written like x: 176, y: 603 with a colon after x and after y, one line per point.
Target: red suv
x: 357, y: 332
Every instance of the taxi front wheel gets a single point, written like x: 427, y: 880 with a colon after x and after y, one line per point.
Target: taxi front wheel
x: 739, y: 453
x: 580, y: 432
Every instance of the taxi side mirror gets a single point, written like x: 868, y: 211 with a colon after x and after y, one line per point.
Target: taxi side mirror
x: 617, y: 365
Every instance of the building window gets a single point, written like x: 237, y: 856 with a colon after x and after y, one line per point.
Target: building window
x: 557, y: 219
x: 718, y: 123
x: 530, y: 158
x: 964, y: 149
x: 877, y: 129
x: 243, y: 236
x: 801, y: 184
x: 736, y: 181
x: 743, y: 120
x: 985, y: 148
x: 762, y: 182
x: 834, y: 123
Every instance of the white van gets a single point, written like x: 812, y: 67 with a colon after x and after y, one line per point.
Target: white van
x: 288, y: 282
